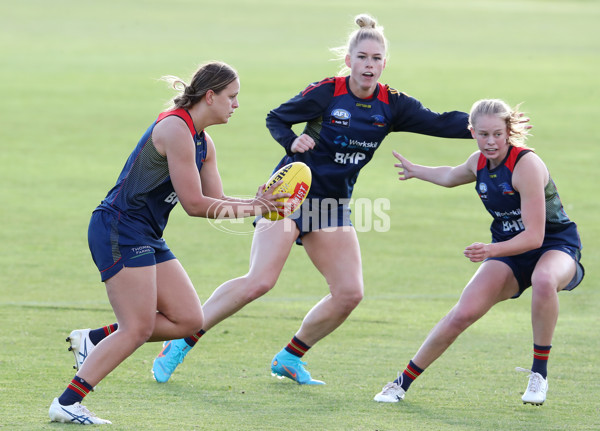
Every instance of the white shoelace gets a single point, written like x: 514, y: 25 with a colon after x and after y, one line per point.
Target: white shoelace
x: 390, y: 388
x: 83, y: 410
x: 393, y: 387
x: 535, y: 380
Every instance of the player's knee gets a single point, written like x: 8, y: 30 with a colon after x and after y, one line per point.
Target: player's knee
x: 349, y: 298
x: 138, y: 334
x: 461, y: 319
x: 191, y: 324
x: 355, y: 298
x: 257, y: 287
x: 543, y: 284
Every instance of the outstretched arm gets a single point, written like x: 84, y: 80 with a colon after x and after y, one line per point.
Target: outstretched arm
x: 446, y: 176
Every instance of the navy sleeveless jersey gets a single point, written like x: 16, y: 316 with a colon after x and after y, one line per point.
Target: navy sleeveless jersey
x: 347, y: 130
x: 503, y: 202
x: 143, y: 196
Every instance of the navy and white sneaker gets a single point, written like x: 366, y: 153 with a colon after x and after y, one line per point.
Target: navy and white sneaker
x: 81, y: 346
x: 75, y: 414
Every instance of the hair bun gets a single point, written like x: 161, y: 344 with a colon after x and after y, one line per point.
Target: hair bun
x: 365, y: 21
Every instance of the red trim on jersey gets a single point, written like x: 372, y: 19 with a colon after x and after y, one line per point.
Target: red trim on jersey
x: 340, y: 86
x: 383, y: 94
x: 514, y: 156
x: 318, y: 84
x: 481, y: 162
x: 181, y: 113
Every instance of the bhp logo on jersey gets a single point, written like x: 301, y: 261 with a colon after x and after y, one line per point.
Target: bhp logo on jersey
x: 345, y: 158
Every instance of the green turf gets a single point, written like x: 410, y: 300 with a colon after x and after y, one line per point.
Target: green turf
x: 78, y: 85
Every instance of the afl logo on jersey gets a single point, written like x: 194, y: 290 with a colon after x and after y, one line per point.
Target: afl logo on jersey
x: 340, y: 117
x: 482, y: 191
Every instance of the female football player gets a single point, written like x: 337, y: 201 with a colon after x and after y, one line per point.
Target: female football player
x: 174, y: 161
x: 347, y: 118
x: 533, y: 242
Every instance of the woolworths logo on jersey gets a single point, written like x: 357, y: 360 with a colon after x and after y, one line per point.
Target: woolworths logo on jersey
x: 365, y: 214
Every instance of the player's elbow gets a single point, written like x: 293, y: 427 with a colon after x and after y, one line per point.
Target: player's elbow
x: 536, y: 238
x: 449, y: 182
x: 539, y: 241
x: 199, y: 208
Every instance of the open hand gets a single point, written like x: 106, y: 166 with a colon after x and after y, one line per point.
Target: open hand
x: 406, y: 167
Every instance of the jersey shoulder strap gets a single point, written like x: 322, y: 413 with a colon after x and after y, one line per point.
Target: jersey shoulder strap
x: 181, y: 113
x: 515, y: 155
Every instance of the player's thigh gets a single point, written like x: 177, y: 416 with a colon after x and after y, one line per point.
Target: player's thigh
x: 554, y: 268
x: 335, y: 252
x: 271, y: 246
x: 132, y: 294
x: 176, y: 296
x: 493, y: 282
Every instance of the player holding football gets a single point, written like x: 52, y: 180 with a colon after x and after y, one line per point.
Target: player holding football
x: 347, y: 118
x: 533, y: 243
x: 150, y: 292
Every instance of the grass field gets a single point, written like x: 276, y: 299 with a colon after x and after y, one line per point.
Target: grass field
x: 78, y: 85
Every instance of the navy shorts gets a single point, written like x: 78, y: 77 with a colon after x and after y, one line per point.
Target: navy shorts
x: 115, y: 245
x: 522, y: 265
x: 315, y: 214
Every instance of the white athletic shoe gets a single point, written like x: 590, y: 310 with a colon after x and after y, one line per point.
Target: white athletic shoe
x: 81, y: 345
x: 536, y: 389
x: 75, y: 413
x: 391, y: 393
